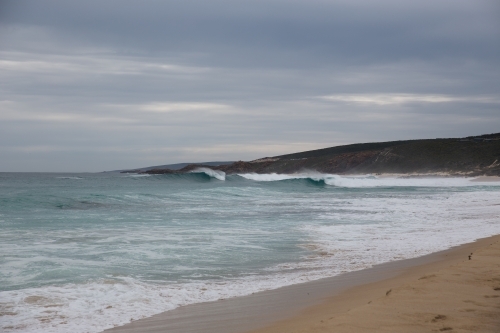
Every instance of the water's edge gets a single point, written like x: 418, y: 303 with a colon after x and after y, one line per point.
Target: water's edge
x: 246, y: 313
x: 85, y: 253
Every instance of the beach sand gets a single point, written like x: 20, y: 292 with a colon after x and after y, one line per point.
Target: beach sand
x: 441, y: 292
x: 451, y: 296
x: 486, y: 179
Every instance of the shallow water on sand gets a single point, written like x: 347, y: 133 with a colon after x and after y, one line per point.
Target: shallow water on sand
x: 85, y: 252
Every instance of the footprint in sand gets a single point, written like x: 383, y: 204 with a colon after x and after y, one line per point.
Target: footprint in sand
x: 438, y: 318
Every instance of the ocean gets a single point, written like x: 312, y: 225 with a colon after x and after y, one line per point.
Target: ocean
x: 85, y: 252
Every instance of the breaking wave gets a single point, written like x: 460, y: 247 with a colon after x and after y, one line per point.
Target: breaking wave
x: 368, y: 180
x: 178, y: 246
x: 220, y: 175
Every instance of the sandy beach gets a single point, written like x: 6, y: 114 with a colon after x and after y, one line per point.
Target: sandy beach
x: 487, y: 179
x: 452, y: 295
x: 444, y: 291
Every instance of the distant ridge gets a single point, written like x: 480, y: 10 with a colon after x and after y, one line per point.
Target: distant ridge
x: 176, y: 166
x: 469, y: 156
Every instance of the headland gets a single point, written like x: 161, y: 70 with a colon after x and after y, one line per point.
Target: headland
x: 463, y: 157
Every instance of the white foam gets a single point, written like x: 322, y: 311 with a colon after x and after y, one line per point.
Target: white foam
x: 349, y: 233
x: 271, y: 177
x: 400, y: 228
x: 369, y: 181
x: 217, y: 174
x: 104, y: 304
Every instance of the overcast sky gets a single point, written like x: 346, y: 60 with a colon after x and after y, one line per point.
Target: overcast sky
x: 102, y: 85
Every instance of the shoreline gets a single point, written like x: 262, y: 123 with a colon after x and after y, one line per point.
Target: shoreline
x: 314, y: 305
x: 456, y: 294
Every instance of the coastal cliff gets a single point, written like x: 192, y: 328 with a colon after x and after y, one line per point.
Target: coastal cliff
x: 472, y: 156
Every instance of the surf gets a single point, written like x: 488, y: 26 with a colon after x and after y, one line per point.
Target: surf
x: 217, y: 174
x: 366, y: 181
x: 199, y: 174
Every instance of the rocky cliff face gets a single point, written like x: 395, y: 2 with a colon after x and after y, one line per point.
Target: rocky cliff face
x: 469, y: 156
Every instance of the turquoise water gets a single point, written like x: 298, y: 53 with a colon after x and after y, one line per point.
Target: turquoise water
x: 85, y: 252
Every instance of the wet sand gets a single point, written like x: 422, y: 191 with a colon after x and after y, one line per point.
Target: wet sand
x: 443, y: 291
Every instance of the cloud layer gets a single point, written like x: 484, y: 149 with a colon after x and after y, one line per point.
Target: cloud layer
x: 91, y: 86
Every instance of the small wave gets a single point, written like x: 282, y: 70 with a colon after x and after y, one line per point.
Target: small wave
x: 366, y: 180
x: 98, y: 305
x: 220, y: 175
x: 80, y: 205
x: 138, y: 175
x: 69, y: 177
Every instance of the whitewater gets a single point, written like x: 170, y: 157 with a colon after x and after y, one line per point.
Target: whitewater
x: 86, y: 252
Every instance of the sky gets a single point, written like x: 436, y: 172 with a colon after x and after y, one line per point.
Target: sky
x: 88, y: 86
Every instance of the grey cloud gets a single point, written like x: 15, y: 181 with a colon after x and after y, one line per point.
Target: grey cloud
x: 260, y: 33
x: 95, y: 85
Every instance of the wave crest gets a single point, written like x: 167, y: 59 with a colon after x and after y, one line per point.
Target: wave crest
x: 366, y: 180
x: 217, y: 174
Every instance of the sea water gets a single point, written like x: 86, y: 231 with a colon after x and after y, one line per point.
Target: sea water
x: 86, y: 252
